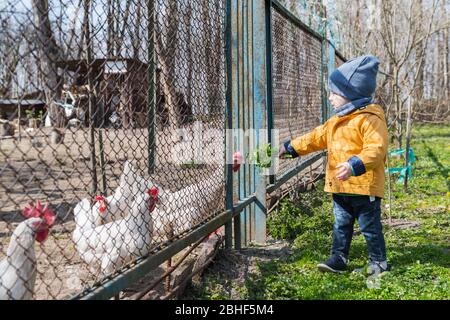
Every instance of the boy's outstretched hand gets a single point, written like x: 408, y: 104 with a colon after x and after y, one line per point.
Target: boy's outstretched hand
x: 344, y: 172
x: 283, y: 153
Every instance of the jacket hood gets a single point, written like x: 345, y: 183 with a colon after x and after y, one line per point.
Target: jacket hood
x: 373, y: 109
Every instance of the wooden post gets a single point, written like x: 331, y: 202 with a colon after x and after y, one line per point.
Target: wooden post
x: 408, y: 141
x: 389, y: 189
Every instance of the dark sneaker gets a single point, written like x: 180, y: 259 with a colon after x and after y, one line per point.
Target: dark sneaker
x: 373, y: 269
x: 334, y: 264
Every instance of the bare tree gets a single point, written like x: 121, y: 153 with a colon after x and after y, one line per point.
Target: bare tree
x: 166, y: 54
x: 212, y: 40
x: 110, y: 52
x: 187, y: 20
x: 414, y: 24
x: 400, y: 33
x: 124, y: 19
x: 445, y: 55
x: 49, y: 54
x: 136, y: 35
x: 9, y: 57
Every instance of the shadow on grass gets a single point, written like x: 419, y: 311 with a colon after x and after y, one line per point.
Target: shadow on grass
x: 432, y: 135
x: 440, y: 167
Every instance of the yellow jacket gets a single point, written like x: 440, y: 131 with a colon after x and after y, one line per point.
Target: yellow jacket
x: 361, y: 138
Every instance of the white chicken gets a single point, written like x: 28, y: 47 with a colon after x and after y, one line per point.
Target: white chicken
x: 117, y: 205
x: 111, y: 245
x: 114, y: 207
x: 18, y: 269
x: 86, y: 217
x: 197, y: 194
x: 187, y: 207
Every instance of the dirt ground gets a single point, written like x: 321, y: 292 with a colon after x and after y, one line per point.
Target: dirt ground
x: 34, y: 169
x: 233, y: 267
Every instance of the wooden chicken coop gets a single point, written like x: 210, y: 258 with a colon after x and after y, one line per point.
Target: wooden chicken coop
x: 124, y: 89
x: 120, y: 86
x: 16, y: 108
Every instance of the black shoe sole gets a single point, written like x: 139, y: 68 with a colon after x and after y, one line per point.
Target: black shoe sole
x: 324, y: 268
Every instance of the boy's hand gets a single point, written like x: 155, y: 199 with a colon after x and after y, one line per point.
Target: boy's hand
x: 344, y: 172
x: 287, y: 152
x: 283, y: 153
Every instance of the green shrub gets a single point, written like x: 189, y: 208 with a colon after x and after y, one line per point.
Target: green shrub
x: 311, y: 212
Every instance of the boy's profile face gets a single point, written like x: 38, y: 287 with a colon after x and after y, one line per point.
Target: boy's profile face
x: 337, y: 100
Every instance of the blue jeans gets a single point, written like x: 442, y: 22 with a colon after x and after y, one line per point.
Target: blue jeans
x: 346, y: 210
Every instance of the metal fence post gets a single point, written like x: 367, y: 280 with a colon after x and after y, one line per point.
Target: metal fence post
x: 248, y: 89
x: 246, y: 114
x: 272, y: 136
x: 233, y: 108
x: 260, y: 102
x: 229, y: 127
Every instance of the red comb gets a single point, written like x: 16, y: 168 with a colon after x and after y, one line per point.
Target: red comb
x: 99, y: 198
x: 32, y: 211
x: 153, y: 192
x: 39, y: 206
x: 48, y: 215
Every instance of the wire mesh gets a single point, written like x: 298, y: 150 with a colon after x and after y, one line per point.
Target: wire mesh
x: 297, y: 94
x: 338, y: 61
x: 122, y: 167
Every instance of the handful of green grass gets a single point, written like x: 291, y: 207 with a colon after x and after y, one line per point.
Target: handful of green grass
x: 262, y: 156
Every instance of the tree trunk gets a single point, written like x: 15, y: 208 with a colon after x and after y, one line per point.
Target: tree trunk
x: 8, y: 75
x: 408, y: 140
x: 121, y: 36
x: 398, y: 108
x: 418, y: 96
x: 49, y: 55
x: 210, y: 57
x: 217, y: 64
x: 110, y: 30
x: 136, y: 36
x: 166, y: 57
x: 446, y: 62
x: 188, y: 22
x: 87, y: 42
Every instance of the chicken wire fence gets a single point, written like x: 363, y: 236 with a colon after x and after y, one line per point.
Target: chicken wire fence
x: 296, y: 80
x: 99, y: 102
x: 112, y: 136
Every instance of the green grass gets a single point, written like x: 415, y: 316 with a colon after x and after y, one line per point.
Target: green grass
x: 420, y: 256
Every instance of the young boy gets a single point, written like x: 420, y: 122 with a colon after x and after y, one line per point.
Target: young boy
x: 357, y: 140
